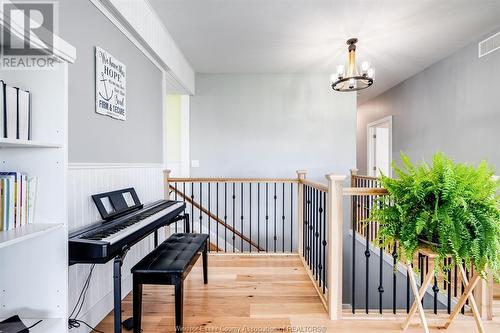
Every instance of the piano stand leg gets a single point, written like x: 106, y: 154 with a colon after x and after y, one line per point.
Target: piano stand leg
x: 117, y: 291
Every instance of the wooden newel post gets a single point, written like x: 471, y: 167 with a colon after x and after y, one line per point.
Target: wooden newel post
x: 301, y: 175
x: 335, y: 213
x: 166, y: 183
x: 354, y: 172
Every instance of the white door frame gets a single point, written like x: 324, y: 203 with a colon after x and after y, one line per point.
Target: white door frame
x: 370, y: 144
x: 185, y: 153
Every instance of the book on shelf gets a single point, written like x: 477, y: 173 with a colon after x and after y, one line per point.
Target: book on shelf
x: 15, y: 112
x: 18, y: 193
x: 3, y: 114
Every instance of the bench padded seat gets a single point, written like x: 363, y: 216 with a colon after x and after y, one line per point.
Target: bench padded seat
x: 173, y: 255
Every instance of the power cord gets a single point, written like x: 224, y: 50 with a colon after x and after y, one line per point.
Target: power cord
x: 73, y: 322
x: 38, y: 322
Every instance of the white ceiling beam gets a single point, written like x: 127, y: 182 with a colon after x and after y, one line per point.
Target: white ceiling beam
x: 142, y: 22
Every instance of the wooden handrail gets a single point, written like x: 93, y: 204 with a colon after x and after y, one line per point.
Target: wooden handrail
x: 233, y: 180
x: 365, y: 177
x: 215, y: 218
x: 318, y: 186
x: 348, y: 191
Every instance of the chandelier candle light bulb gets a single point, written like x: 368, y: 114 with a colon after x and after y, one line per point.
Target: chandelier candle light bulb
x: 353, y: 80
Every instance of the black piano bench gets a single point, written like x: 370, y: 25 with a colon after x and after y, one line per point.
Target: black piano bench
x: 169, y: 264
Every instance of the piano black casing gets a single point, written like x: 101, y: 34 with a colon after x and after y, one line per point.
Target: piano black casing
x: 83, y: 251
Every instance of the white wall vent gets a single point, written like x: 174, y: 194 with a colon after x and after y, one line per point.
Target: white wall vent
x: 489, y: 45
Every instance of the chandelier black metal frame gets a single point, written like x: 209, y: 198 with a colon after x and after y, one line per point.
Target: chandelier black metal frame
x: 353, y: 80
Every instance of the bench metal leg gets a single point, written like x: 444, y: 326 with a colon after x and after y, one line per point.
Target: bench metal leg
x: 179, y: 300
x: 205, y: 263
x: 137, y: 306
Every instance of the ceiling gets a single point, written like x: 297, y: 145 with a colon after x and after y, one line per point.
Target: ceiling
x: 400, y: 38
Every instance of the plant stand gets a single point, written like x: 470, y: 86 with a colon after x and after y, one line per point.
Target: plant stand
x: 419, y: 293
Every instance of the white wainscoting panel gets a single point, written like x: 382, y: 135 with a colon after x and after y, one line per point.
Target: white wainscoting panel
x: 83, y: 181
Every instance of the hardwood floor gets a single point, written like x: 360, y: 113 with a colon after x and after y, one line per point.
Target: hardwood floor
x: 257, y: 294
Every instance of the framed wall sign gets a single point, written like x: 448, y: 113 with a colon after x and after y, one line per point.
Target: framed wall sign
x: 110, y: 85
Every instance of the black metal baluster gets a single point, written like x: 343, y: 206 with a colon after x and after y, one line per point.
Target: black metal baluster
x: 201, y: 205
x: 313, y: 233
x: 304, y: 218
x: 444, y: 280
x: 192, y: 208
x: 421, y: 267
x: 184, y: 199
x: 283, y: 220
x: 367, y: 259
x: 225, y: 217
x: 311, y: 229
x: 324, y: 242
x: 408, y: 290
x: 316, y: 235
x: 468, y: 278
x: 381, y: 278
x: 217, y: 213
x: 250, y: 215
x: 463, y: 286
x: 426, y: 258
x: 241, y: 205
x: 455, y: 279
x: 354, y: 223
x: 175, y: 198
x: 449, y: 286
x: 311, y: 226
x: 209, y: 233
x: 306, y: 223
x: 320, y: 254
x: 394, y: 264
x: 275, y: 214
x: 267, y: 217
x: 435, y: 290
x: 234, y: 215
x: 421, y: 270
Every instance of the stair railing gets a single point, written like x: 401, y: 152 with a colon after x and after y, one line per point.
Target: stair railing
x: 240, y: 214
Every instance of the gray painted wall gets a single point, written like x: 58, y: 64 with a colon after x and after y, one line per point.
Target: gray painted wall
x: 270, y: 126
x: 97, y: 138
x: 449, y: 106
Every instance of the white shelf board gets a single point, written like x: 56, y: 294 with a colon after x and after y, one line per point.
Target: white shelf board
x: 15, y: 143
x: 48, y: 325
x: 26, y: 232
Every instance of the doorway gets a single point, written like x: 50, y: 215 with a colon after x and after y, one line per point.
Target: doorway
x: 379, y: 143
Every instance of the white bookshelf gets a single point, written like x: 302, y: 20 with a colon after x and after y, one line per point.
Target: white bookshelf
x: 26, y: 232
x: 34, y: 257
x: 14, y: 143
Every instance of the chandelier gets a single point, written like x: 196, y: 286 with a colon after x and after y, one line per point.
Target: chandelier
x: 352, y: 79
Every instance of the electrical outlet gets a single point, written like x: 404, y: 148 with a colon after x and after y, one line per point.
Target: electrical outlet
x: 195, y: 164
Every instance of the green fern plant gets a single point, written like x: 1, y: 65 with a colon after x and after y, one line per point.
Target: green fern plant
x: 455, y: 206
